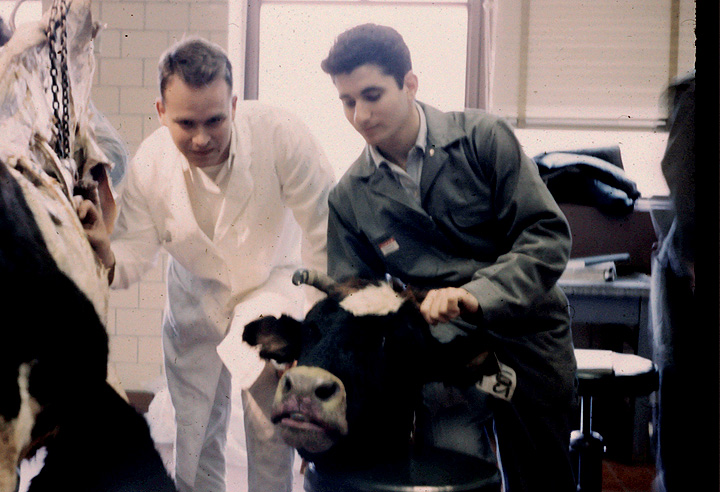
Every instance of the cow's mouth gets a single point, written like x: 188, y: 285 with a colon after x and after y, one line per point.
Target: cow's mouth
x: 300, y: 421
x: 303, y: 431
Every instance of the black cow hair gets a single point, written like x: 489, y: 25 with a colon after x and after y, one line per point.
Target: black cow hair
x: 405, y: 334
x: 95, y: 440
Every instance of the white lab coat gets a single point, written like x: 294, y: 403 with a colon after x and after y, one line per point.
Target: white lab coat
x: 276, y: 201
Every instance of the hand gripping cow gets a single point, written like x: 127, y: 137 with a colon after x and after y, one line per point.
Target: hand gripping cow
x: 359, y: 361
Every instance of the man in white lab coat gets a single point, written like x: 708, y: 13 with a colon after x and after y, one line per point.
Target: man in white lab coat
x: 237, y: 195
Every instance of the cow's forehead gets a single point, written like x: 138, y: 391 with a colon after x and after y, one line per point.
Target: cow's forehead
x: 378, y: 300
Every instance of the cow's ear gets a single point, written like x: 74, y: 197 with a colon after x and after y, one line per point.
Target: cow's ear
x: 278, y: 339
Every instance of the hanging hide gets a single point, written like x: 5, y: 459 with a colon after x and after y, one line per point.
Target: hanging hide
x: 54, y: 390
x: 30, y: 130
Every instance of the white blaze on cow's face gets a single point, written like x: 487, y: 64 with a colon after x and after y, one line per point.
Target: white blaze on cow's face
x: 15, y: 433
x: 376, y: 300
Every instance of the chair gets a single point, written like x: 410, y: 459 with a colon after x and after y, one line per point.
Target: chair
x: 602, y: 372
x: 433, y: 471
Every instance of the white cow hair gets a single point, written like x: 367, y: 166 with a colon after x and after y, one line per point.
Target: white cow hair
x: 377, y: 300
x: 17, y: 432
x: 28, y: 408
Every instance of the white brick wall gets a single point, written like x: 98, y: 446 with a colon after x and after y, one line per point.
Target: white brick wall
x: 127, y: 50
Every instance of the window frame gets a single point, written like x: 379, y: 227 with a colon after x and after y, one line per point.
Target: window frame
x: 479, y: 64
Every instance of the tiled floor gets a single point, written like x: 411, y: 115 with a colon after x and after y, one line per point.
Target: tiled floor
x: 621, y: 477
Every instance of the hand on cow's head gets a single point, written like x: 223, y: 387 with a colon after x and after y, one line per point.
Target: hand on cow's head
x: 363, y: 354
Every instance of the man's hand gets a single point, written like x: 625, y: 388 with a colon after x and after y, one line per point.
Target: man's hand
x: 96, y: 232
x: 443, y: 305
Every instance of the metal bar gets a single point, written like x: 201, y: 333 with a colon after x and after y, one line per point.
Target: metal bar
x: 373, y: 3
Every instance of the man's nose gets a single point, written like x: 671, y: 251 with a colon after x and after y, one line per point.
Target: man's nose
x: 201, y: 138
x: 362, y: 112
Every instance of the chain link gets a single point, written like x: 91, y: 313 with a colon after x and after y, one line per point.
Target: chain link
x: 57, y: 38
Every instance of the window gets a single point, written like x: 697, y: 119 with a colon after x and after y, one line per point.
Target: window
x: 30, y: 10
x: 567, y: 74
x: 296, y: 35
x: 575, y: 63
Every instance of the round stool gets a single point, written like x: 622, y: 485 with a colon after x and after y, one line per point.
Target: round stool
x: 603, y: 372
x: 434, y: 471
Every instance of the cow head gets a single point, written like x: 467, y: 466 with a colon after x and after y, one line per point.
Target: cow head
x: 363, y: 354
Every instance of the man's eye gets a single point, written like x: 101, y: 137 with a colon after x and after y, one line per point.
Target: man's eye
x: 185, y: 124
x: 372, y: 97
x: 349, y: 104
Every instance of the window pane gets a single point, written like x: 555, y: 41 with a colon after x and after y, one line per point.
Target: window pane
x: 295, y: 38
x: 28, y: 11
x: 588, y: 59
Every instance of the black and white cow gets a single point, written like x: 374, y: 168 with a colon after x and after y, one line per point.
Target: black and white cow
x: 363, y: 354
x: 53, y: 369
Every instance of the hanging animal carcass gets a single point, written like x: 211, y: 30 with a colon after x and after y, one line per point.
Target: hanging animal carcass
x: 54, y: 349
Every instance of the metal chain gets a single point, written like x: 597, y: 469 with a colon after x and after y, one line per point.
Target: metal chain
x: 59, y: 67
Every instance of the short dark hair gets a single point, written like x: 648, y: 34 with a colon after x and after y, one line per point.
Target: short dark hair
x: 369, y: 43
x: 196, y: 61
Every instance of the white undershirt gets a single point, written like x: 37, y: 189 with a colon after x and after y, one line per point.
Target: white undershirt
x: 206, y: 187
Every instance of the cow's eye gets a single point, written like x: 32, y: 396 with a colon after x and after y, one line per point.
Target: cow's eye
x: 326, y: 391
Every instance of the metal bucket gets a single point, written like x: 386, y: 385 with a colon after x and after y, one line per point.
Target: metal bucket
x: 434, y: 471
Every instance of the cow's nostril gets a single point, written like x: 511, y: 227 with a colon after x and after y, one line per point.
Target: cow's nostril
x: 326, y: 391
x: 287, y: 386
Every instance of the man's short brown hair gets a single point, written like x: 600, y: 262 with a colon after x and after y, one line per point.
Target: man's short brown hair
x: 369, y: 43
x: 196, y: 61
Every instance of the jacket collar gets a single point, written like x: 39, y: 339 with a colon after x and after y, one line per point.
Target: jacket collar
x: 442, y: 130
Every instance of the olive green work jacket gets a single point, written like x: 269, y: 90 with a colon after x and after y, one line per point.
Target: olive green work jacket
x: 486, y: 222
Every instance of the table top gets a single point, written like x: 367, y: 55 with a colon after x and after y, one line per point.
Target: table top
x: 605, y: 371
x: 635, y: 285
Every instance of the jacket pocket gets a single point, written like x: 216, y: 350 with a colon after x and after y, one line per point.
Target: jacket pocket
x: 475, y: 215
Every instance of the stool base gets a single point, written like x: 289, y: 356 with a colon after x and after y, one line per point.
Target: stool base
x: 586, y: 450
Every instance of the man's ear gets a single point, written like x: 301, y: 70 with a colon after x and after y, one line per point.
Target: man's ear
x: 160, y: 108
x: 278, y: 339
x: 234, y: 106
x: 410, y: 83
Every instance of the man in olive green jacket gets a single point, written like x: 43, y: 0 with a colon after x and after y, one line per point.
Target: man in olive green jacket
x: 449, y: 202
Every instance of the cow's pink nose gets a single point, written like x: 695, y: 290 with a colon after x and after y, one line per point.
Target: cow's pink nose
x: 312, y: 382
x: 311, y: 408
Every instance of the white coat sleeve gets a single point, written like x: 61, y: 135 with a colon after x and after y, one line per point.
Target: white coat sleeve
x: 135, y: 240
x: 306, y: 179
